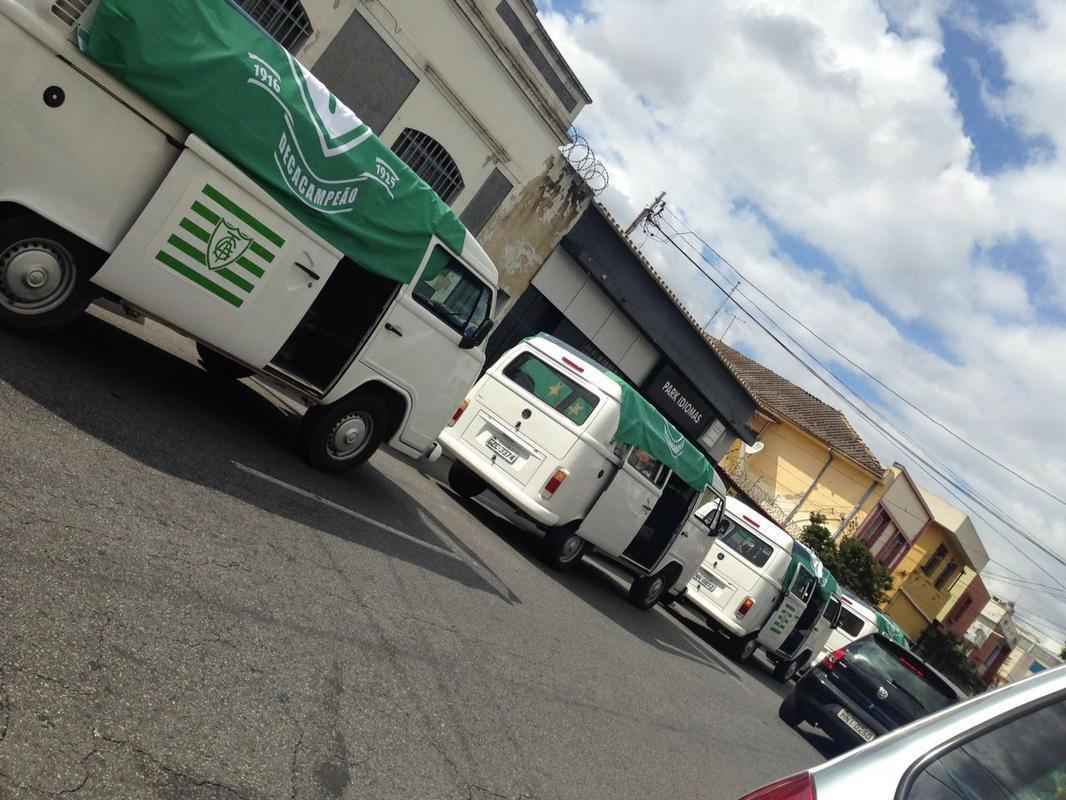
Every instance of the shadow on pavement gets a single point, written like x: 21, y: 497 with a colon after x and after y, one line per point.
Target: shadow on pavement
x: 601, y: 588
x: 825, y: 746
x: 173, y: 417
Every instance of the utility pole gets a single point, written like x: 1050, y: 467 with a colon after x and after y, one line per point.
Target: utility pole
x: 725, y: 302
x: 727, y: 327
x: 654, y: 208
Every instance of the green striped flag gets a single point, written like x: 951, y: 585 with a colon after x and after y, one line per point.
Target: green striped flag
x: 221, y: 247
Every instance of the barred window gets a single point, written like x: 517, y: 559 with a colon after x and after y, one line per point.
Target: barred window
x: 428, y: 158
x: 285, y: 20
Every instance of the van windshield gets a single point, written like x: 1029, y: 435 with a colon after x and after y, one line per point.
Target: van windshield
x: 551, y: 387
x: 747, y: 544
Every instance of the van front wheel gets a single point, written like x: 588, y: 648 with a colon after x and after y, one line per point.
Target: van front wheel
x: 44, y: 275
x: 345, y: 434
x: 785, y: 670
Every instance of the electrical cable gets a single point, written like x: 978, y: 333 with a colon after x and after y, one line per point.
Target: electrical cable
x: 934, y: 472
x: 870, y: 375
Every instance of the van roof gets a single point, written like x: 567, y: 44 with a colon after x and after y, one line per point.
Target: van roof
x: 591, y: 372
x: 765, y: 526
x: 856, y: 604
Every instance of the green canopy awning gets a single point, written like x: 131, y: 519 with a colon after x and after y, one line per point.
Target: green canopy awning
x: 827, y: 582
x: 206, y: 64
x: 641, y: 425
x: 888, y: 628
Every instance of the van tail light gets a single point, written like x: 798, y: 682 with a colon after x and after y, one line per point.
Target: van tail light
x: 554, y: 482
x: 458, y: 413
x: 798, y: 787
x: 745, y: 607
x: 831, y: 660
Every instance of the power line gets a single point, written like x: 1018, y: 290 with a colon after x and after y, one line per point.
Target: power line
x: 871, y: 376
x: 935, y: 473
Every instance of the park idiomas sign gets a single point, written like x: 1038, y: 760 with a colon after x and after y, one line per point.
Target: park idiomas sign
x: 216, y: 72
x: 679, y: 401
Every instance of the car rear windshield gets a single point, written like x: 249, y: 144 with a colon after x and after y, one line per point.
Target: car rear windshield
x: 750, y: 547
x: 901, y: 673
x: 552, y: 387
x: 850, y: 623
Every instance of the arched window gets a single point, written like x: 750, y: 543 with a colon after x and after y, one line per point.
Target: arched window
x: 428, y: 158
x: 285, y: 20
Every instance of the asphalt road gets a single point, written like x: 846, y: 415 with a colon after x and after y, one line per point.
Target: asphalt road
x: 187, y: 610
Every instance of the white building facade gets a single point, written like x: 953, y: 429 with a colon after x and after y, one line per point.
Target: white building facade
x: 472, y: 94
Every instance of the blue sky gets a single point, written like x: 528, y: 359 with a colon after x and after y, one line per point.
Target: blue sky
x: 896, y: 187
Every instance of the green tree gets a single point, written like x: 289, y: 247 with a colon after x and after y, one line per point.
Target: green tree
x: 850, y: 562
x: 944, y: 652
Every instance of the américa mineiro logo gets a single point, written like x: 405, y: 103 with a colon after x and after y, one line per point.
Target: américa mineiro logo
x: 221, y: 247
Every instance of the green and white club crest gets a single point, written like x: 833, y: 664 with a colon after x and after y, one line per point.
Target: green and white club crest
x: 226, y: 246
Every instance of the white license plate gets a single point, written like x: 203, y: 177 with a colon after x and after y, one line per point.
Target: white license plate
x: 502, y: 450
x: 708, y: 583
x: 865, y: 733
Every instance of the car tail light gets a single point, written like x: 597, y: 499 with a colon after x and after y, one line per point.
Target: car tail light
x: 745, y: 607
x: 554, y: 482
x: 458, y: 413
x: 798, y: 787
x: 912, y: 667
x: 834, y: 658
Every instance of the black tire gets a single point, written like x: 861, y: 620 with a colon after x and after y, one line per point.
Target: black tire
x: 741, y: 649
x: 784, y: 670
x: 789, y: 711
x: 364, y: 417
x: 44, y: 275
x: 671, y: 599
x: 219, y: 366
x: 464, y: 481
x: 647, y: 590
x: 562, y: 548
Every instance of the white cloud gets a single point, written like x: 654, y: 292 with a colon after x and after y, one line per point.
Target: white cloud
x: 845, y: 133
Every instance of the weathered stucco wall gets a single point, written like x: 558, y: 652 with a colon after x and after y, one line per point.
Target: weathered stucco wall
x: 531, y: 223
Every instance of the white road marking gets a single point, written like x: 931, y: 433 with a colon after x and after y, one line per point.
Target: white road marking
x: 355, y: 514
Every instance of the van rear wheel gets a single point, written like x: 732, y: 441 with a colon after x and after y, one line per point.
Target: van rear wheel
x: 44, y: 275
x: 647, y: 590
x: 562, y: 548
x: 464, y: 481
x: 343, y: 435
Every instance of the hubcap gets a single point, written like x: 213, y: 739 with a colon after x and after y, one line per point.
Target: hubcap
x: 655, y: 588
x: 350, y: 436
x: 571, y: 547
x: 748, y: 650
x: 36, y: 276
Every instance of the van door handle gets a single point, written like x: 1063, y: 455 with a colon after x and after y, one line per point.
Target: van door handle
x: 647, y: 508
x: 393, y: 329
x: 314, y: 275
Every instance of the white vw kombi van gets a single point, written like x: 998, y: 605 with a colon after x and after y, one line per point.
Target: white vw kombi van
x: 579, y: 452
x: 740, y: 581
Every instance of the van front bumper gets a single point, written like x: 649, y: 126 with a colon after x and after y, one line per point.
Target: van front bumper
x: 501, y: 483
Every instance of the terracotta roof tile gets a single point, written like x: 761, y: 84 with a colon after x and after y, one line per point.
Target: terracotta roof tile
x: 788, y: 401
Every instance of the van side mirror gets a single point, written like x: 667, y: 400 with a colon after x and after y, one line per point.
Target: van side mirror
x: 723, y: 526
x: 472, y: 339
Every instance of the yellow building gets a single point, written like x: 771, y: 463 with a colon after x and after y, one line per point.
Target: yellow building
x: 926, y: 574
x: 808, y: 457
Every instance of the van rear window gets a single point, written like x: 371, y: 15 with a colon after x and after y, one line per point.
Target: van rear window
x: 850, y: 623
x: 552, y: 387
x: 747, y: 544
